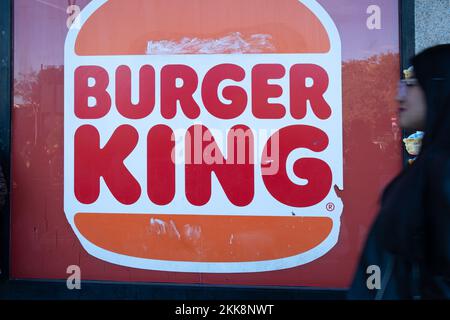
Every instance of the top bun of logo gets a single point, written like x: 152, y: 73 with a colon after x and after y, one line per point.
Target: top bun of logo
x: 127, y: 28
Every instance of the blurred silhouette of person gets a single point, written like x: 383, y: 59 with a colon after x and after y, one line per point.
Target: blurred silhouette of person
x: 407, y: 251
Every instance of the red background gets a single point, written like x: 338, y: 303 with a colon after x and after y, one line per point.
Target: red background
x: 42, y: 242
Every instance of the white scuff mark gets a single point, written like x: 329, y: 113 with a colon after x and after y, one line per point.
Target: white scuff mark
x: 161, y: 227
x: 174, y: 228
x: 158, y: 225
x: 234, y: 43
x: 192, y: 232
x: 380, y: 144
x: 231, y: 239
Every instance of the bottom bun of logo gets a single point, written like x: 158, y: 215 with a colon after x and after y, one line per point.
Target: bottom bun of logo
x: 205, y: 243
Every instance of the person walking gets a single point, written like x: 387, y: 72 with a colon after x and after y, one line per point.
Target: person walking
x: 409, y: 242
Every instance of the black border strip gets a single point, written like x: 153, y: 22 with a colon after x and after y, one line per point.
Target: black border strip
x: 407, y: 49
x: 407, y: 32
x: 56, y: 289
x: 103, y: 290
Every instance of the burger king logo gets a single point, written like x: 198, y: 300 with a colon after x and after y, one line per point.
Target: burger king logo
x: 204, y: 136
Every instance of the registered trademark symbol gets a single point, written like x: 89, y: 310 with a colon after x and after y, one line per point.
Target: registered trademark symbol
x: 330, y: 206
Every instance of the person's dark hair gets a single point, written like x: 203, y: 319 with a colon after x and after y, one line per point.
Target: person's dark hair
x: 402, y: 215
x: 432, y: 70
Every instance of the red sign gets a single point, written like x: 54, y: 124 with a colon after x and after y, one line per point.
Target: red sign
x: 203, y: 137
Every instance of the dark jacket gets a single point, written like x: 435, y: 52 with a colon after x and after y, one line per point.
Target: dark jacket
x: 420, y: 267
